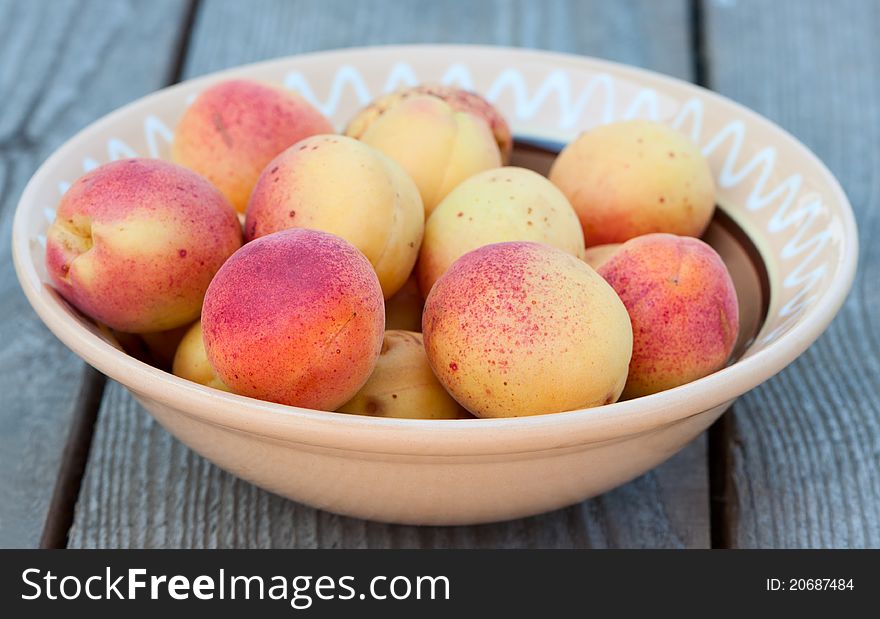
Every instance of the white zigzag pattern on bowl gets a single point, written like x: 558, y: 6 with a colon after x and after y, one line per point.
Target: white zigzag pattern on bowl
x: 795, y: 213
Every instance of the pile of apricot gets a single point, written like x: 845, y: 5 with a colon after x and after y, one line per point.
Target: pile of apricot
x: 401, y: 268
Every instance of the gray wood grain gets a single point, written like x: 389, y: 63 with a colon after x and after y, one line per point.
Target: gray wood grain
x: 144, y: 489
x: 805, y: 447
x: 62, y: 65
x: 648, y: 33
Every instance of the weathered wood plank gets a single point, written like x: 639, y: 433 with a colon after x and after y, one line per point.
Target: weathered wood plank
x: 62, y: 64
x: 143, y: 489
x: 805, y: 447
x: 639, y: 32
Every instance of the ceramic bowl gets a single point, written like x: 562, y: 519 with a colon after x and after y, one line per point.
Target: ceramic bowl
x: 784, y: 228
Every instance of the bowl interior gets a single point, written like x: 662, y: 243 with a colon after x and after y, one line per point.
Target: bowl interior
x: 784, y: 228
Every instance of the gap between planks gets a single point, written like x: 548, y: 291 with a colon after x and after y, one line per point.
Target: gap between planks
x: 721, y: 496
x: 59, y: 516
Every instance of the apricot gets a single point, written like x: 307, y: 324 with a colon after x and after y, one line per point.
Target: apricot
x: 129, y: 343
x: 522, y: 328
x: 403, y: 385
x: 156, y: 348
x: 339, y: 185
x: 136, y: 242
x: 504, y: 204
x: 458, y: 99
x: 597, y: 255
x: 683, y: 309
x: 191, y: 360
x: 295, y: 317
x: 436, y: 145
x: 635, y: 177
x: 163, y: 345
x: 403, y: 311
x: 234, y: 128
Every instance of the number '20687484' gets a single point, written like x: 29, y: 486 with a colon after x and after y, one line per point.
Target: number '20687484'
x: 810, y: 584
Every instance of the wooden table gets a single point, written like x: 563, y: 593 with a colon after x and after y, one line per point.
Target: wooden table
x: 796, y: 462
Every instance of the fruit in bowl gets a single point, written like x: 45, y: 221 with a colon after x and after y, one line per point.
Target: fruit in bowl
x: 523, y: 328
x: 505, y: 204
x: 403, y: 385
x: 234, y: 128
x: 191, y: 360
x: 683, y: 308
x: 135, y: 244
x: 295, y: 317
x: 447, y: 471
x: 339, y: 185
x: 458, y: 99
x: 635, y: 177
x: 516, y: 322
x: 597, y: 255
x: 437, y: 144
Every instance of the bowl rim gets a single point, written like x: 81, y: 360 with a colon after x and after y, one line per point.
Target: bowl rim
x: 437, y: 438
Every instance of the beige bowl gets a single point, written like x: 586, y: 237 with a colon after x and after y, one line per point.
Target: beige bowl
x: 785, y: 229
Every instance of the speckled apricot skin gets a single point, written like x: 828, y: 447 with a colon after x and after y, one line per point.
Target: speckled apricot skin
x: 403, y: 311
x: 191, y: 361
x: 403, y: 385
x: 683, y: 309
x: 503, y: 204
x: 236, y: 127
x: 295, y: 317
x: 342, y: 186
x: 436, y: 145
x: 597, y: 255
x: 136, y: 242
x: 521, y: 328
x: 458, y: 99
x: 635, y: 177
